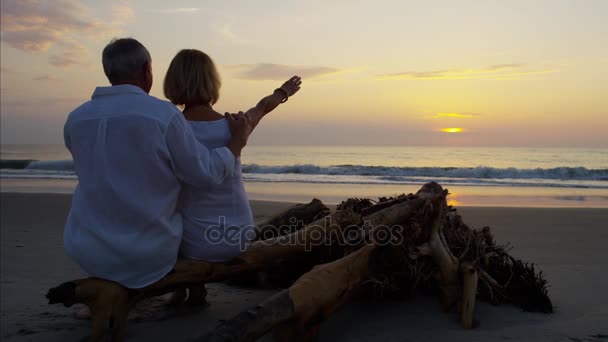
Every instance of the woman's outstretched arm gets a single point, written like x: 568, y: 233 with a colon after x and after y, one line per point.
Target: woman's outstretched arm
x: 270, y: 102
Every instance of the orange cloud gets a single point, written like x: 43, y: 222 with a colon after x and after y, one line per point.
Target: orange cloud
x: 494, y: 72
x: 177, y: 10
x: 46, y: 77
x: 280, y: 72
x: 73, y: 53
x: 35, y: 27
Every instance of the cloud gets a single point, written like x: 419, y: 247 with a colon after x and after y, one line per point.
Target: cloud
x: 73, y: 53
x: 37, y: 26
x: 511, y: 66
x: 46, y: 77
x: 177, y: 10
x: 226, y: 32
x: 122, y: 14
x: 280, y: 72
x: 494, y: 72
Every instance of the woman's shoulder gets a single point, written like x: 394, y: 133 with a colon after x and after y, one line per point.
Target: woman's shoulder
x: 209, y: 125
x: 213, y: 133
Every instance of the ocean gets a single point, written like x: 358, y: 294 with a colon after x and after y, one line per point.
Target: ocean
x: 565, y: 175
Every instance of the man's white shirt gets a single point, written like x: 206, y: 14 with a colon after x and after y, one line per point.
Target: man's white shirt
x: 131, y: 151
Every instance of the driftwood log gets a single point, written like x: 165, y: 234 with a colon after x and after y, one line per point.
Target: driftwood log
x: 111, y: 302
x: 395, y: 246
x: 422, y: 231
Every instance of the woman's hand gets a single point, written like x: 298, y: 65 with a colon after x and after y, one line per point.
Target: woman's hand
x: 292, y: 85
x: 270, y: 102
x: 240, y: 128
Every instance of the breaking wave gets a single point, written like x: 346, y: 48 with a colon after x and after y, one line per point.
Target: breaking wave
x: 579, y: 177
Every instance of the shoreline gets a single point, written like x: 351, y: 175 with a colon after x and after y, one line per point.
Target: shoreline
x: 461, y: 196
x: 567, y: 244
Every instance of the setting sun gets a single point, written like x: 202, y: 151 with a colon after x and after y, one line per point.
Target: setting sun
x: 452, y: 130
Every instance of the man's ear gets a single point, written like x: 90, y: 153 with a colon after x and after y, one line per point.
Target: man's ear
x: 148, y: 77
x: 148, y: 69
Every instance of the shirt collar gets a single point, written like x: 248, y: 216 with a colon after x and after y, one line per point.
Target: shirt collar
x: 118, y: 90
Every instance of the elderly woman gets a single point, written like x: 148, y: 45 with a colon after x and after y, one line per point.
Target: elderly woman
x: 217, y: 218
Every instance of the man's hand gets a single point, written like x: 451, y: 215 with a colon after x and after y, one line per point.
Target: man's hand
x: 292, y: 85
x: 240, y: 128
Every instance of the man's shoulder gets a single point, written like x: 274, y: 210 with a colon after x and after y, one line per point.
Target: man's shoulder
x: 137, y: 106
x: 80, y: 110
x: 164, y: 107
x: 157, y: 109
x: 83, y: 107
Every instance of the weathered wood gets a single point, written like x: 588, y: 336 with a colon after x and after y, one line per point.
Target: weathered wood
x: 285, y: 222
x: 288, y: 221
x: 469, y: 295
x: 320, y: 292
x: 434, y: 232
x: 295, y: 313
x: 111, y: 302
x: 108, y: 301
x: 255, y: 322
x: 327, y: 287
x: 314, y: 235
x: 435, y: 241
x: 448, y: 264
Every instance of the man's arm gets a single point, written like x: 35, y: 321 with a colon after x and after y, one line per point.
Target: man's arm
x: 66, y: 137
x: 270, y: 102
x: 240, y: 128
x: 193, y: 163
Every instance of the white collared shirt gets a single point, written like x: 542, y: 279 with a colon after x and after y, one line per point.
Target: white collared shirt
x: 131, y: 151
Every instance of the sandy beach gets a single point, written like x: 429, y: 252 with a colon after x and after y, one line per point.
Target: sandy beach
x: 567, y: 243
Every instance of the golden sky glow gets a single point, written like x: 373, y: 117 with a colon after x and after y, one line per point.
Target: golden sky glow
x: 511, y: 73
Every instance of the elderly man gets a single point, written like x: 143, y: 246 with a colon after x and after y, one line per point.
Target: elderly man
x: 131, y: 151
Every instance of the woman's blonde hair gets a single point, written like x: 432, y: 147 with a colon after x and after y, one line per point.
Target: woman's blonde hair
x: 192, y: 79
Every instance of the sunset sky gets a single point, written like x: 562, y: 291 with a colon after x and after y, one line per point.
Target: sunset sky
x: 448, y: 73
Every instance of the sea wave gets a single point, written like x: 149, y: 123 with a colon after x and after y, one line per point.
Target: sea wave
x: 578, y: 177
x: 479, y: 172
x: 51, y: 165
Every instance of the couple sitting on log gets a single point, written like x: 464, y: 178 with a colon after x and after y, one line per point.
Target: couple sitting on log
x: 155, y: 182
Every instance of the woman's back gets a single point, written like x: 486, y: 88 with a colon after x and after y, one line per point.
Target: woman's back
x: 217, y: 218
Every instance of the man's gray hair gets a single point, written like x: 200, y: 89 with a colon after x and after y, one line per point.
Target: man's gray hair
x: 123, y: 60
